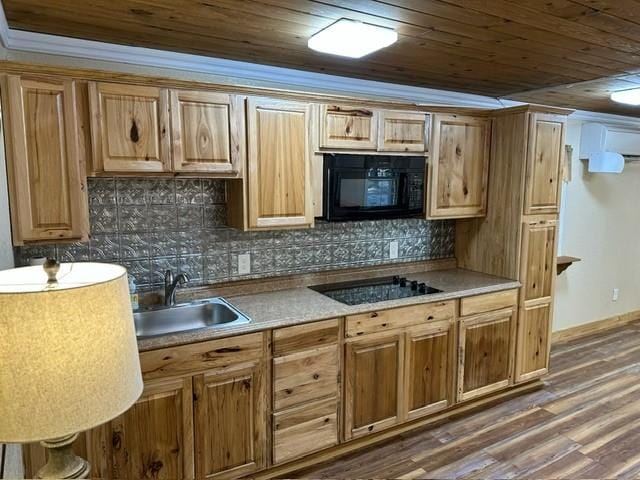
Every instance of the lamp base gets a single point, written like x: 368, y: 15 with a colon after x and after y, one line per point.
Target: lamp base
x: 63, y: 463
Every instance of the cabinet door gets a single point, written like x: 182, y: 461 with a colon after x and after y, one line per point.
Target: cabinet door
x: 348, y: 127
x: 459, y: 167
x: 129, y: 128
x: 230, y: 418
x: 153, y: 439
x: 486, y: 352
x: 430, y: 360
x: 374, y: 376
x: 46, y: 180
x: 207, y: 132
x: 538, y: 262
x: 544, y: 163
x: 403, y: 131
x: 534, y: 341
x: 279, y: 187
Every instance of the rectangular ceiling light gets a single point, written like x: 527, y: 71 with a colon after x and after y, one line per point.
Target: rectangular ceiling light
x: 629, y: 97
x: 352, y: 39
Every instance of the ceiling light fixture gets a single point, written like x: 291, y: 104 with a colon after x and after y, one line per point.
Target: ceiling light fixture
x: 352, y: 39
x: 629, y: 97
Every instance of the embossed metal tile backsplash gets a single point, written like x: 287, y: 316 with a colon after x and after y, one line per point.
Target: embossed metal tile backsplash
x: 153, y: 224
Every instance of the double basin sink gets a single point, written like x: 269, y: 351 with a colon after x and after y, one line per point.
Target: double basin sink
x: 210, y: 313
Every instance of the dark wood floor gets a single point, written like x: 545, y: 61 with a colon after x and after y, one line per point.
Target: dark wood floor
x: 585, y: 424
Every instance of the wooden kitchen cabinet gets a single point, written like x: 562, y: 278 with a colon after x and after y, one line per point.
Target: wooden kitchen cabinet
x: 544, y: 163
x: 538, y: 275
x: 130, y: 128
x: 429, y: 367
x: 207, y: 132
x: 374, y: 383
x: 305, y: 429
x: 153, y: 439
x: 345, y: 127
x: 306, y: 389
x: 279, y: 184
x: 230, y: 422
x: 538, y: 264
x: 459, y: 166
x: 46, y: 177
x: 485, y: 353
x: 534, y: 340
x: 403, y: 131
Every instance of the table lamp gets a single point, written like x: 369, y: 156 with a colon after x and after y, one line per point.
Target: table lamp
x: 68, y: 356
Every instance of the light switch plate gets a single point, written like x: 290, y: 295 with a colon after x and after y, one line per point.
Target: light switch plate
x: 616, y: 294
x: 393, y: 249
x: 244, y: 263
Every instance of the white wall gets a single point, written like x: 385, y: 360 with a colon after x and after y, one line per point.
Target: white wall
x: 600, y: 223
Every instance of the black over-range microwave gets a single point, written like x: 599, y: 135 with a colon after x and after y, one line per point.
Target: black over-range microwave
x: 365, y: 187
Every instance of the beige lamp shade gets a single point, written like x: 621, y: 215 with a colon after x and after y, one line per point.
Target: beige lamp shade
x: 68, y: 351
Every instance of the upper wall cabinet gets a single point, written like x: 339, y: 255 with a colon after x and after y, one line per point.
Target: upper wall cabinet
x: 403, y: 131
x: 348, y: 127
x: 130, y: 128
x: 359, y: 128
x: 459, y: 167
x: 279, y: 185
x: 47, y: 188
x: 207, y: 132
x: 544, y: 155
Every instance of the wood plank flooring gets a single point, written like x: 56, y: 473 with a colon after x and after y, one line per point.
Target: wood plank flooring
x: 584, y: 424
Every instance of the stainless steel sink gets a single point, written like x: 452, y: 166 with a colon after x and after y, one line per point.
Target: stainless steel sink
x: 211, y: 313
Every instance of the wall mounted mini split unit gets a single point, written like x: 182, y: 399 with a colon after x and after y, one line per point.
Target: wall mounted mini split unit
x: 608, y: 147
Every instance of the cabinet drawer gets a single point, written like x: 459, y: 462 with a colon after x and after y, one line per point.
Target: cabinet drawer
x: 304, y: 429
x: 383, y: 320
x: 302, y: 337
x: 305, y: 376
x: 215, y: 354
x: 488, y: 302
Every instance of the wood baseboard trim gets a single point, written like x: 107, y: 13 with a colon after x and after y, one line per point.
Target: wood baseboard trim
x: 591, y: 328
x: 284, y: 471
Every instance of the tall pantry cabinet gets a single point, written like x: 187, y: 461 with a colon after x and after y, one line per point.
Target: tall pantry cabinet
x: 518, y: 238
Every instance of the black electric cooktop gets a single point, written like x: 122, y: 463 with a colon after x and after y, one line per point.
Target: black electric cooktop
x: 374, y: 290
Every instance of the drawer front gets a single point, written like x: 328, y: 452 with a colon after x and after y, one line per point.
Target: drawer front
x: 215, y: 354
x: 305, y: 376
x: 488, y: 302
x: 303, y: 337
x: 305, y: 429
x: 394, y: 318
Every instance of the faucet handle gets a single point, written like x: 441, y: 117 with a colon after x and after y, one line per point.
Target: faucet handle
x: 168, y: 277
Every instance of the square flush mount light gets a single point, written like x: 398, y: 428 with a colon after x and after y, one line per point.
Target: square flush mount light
x: 629, y: 97
x: 351, y: 39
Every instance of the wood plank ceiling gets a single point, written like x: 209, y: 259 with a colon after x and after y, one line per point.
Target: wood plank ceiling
x: 503, y: 48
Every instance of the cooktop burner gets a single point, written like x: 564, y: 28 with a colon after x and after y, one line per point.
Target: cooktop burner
x: 374, y: 290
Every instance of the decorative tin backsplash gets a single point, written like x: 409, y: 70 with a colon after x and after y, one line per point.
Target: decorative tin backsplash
x: 153, y: 224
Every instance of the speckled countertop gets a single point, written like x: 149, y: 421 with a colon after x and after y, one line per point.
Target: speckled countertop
x: 301, y: 305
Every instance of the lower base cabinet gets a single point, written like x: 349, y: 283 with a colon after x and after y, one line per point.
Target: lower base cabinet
x: 533, y: 337
x: 374, y: 380
x: 231, y: 407
x: 153, y: 439
x: 230, y: 422
x: 486, y: 352
x: 429, y: 367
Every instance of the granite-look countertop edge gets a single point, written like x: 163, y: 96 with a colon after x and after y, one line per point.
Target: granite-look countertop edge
x: 302, y: 305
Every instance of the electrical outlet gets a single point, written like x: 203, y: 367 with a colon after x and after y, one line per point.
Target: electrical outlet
x: 616, y: 294
x: 244, y: 263
x: 393, y: 249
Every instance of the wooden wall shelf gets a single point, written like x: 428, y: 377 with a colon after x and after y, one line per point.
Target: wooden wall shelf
x: 565, y: 262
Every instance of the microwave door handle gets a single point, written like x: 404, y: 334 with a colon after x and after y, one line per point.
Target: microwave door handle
x: 404, y: 188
